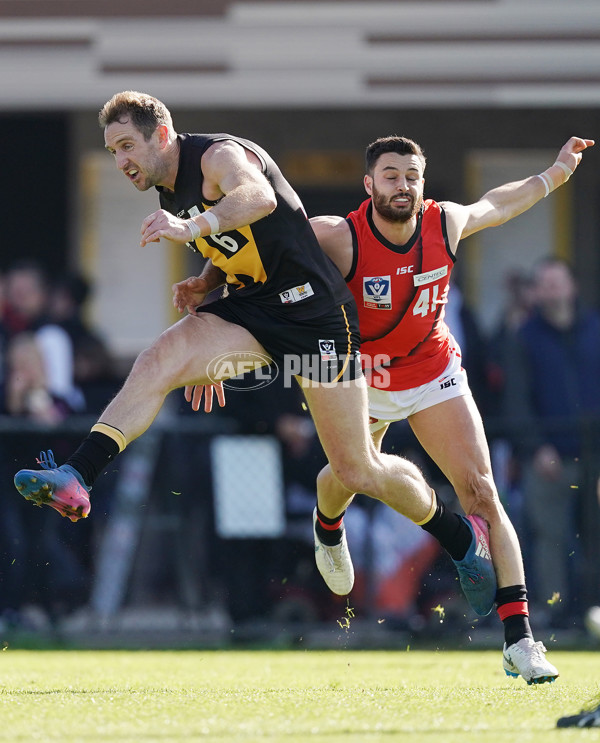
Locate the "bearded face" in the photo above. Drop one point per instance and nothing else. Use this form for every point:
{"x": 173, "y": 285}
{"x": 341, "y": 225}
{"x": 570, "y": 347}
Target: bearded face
{"x": 400, "y": 207}
{"x": 396, "y": 187}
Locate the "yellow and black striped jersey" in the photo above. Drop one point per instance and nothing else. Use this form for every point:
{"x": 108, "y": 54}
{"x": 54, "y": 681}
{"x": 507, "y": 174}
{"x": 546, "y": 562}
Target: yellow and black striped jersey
{"x": 275, "y": 261}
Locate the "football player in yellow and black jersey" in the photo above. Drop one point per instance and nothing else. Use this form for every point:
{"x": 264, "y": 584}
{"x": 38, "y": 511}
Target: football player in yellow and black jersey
{"x": 296, "y": 295}
{"x": 285, "y": 303}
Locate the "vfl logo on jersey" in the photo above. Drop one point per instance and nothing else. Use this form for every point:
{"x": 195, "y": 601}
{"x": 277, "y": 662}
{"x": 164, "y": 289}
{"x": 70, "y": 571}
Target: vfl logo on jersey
{"x": 327, "y": 350}
{"x": 427, "y": 278}
{"x": 296, "y": 294}
{"x": 377, "y": 292}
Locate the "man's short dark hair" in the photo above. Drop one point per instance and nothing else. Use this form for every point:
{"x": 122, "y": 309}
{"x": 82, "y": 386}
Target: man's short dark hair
{"x": 399, "y": 145}
{"x": 144, "y": 111}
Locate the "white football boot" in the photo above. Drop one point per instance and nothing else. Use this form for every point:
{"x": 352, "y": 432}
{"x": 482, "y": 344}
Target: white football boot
{"x": 334, "y": 563}
{"x": 526, "y": 658}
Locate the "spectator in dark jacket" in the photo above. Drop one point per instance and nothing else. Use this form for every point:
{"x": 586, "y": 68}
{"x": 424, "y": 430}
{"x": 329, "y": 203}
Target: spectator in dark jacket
{"x": 551, "y": 389}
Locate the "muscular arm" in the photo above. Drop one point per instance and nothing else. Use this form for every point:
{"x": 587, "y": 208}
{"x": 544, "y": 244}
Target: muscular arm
{"x": 233, "y": 176}
{"x": 505, "y": 202}
{"x": 335, "y": 239}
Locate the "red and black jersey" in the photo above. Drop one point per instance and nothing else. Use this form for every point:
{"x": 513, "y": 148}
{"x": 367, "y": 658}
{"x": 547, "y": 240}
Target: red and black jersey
{"x": 400, "y": 292}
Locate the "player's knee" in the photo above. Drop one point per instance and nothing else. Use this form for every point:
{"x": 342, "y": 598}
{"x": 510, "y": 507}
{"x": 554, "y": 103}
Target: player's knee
{"x": 326, "y": 479}
{"x": 147, "y": 363}
{"x": 352, "y": 475}
{"x": 361, "y": 475}
{"x": 156, "y": 365}
{"x": 331, "y": 486}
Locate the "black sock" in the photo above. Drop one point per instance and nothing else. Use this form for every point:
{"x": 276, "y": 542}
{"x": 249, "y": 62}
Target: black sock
{"x": 93, "y": 455}
{"x": 331, "y": 536}
{"x": 450, "y": 530}
{"x": 511, "y": 604}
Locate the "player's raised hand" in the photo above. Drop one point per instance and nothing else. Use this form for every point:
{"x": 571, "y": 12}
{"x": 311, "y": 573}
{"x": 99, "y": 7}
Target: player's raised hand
{"x": 193, "y": 394}
{"x": 571, "y": 153}
{"x": 189, "y": 293}
{"x": 164, "y": 224}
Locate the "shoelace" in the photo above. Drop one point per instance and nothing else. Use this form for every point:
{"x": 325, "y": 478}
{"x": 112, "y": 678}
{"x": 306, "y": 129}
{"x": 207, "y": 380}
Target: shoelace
{"x": 46, "y": 460}
{"x": 333, "y": 563}
{"x": 473, "y": 575}
{"x": 537, "y": 652}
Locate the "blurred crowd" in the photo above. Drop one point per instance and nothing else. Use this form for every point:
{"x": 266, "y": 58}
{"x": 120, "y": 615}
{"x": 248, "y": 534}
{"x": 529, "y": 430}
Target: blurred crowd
{"x": 535, "y": 379}
{"x": 53, "y": 367}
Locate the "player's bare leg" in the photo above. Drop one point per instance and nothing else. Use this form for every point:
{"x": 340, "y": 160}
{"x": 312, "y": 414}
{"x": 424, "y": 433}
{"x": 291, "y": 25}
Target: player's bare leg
{"x": 331, "y": 547}
{"x": 452, "y": 434}
{"x": 356, "y": 465}
{"x": 341, "y": 419}
{"x": 332, "y": 497}
{"x": 180, "y": 356}
{"x": 466, "y": 540}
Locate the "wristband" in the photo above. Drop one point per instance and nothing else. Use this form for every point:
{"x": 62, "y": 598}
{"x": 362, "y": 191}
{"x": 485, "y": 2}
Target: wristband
{"x": 565, "y": 168}
{"x": 213, "y": 221}
{"x": 545, "y": 178}
{"x": 194, "y": 229}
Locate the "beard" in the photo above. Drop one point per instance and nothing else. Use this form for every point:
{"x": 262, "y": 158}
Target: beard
{"x": 393, "y": 213}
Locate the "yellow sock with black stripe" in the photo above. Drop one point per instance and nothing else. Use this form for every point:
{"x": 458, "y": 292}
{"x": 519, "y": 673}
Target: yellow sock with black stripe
{"x": 96, "y": 451}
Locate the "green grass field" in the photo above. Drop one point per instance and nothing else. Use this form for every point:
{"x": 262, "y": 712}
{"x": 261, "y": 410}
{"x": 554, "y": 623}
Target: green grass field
{"x": 450, "y": 697}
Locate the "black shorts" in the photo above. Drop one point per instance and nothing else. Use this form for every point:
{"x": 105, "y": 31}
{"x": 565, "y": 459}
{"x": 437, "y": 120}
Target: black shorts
{"x": 321, "y": 349}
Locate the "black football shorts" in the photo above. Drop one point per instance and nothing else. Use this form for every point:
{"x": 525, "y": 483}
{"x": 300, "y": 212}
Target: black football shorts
{"x": 324, "y": 348}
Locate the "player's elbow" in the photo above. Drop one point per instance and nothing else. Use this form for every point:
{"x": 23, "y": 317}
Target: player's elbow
{"x": 504, "y": 212}
{"x": 268, "y": 201}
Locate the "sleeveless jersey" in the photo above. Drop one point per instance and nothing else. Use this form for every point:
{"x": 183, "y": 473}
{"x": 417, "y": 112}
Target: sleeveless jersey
{"x": 276, "y": 261}
{"x": 400, "y": 292}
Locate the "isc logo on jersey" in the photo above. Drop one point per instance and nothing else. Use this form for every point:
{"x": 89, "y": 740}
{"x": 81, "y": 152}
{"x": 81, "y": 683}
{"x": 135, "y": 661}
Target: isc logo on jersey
{"x": 377, "y": 292}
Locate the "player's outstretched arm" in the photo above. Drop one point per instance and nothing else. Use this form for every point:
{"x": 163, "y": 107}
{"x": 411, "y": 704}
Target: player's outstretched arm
{"x": 505, "y": 202}
{"x": 232, "y": 176}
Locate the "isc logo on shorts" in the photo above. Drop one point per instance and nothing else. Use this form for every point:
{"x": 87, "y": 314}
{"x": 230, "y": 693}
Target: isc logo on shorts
{"x": 377, "y": 292}
{"x": 327, "y": 350}
{"x": 446, "y": 383}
